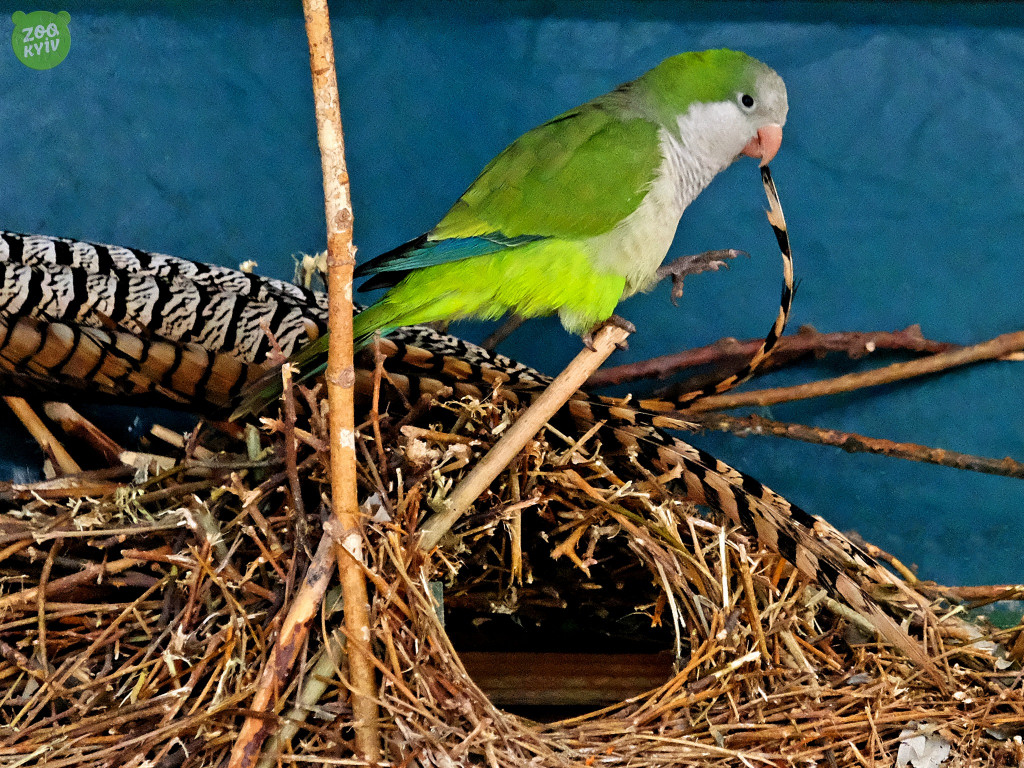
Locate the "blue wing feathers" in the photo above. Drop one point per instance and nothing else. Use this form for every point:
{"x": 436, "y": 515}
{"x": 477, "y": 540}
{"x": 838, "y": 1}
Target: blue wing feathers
{"x": 389, "y": 268}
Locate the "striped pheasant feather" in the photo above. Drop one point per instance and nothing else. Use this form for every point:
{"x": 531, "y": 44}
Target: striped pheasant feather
{"x": 124, "y": 323}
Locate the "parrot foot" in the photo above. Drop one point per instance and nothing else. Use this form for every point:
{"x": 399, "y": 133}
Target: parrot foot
{"x": 618, "y": 322}
{"x": 694, "y": 265}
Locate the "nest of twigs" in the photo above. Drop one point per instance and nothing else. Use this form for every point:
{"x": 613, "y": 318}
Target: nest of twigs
{"x": 137, "y": 614}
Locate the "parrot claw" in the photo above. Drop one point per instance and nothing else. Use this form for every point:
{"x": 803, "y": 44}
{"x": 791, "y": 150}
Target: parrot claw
{"x": 618, "y": 322}
{"x": 694, "y": 265}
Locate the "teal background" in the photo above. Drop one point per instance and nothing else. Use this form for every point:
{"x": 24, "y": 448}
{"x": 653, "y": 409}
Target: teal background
{"x": 188, "y": 129}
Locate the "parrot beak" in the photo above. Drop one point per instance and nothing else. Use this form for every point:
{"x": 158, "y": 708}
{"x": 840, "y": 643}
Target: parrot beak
{"x": 765, "y": 144}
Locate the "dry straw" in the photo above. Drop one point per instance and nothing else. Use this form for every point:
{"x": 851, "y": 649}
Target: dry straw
{"x": 134, "y": 623}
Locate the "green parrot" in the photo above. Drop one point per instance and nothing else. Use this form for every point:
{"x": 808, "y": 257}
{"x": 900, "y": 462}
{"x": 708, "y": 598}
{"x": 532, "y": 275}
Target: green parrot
{"x": 579, "y": 213}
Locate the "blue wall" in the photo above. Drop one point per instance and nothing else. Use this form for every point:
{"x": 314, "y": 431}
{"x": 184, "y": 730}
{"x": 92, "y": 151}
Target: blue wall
{"x": 190, "y": 132}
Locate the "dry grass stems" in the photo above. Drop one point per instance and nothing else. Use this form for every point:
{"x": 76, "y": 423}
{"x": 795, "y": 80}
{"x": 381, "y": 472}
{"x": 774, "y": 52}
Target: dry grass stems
{"x": 134, "y": 621}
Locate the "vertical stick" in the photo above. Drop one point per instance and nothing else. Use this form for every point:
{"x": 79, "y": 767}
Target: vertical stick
{"x": 341, "y": 378}
{"x": 342, "y": 541}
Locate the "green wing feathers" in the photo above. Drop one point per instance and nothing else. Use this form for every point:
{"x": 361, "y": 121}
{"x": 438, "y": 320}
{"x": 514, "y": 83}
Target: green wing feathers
{"x": 515, "y": 240}
{"x": 535, "y": 279}
{"x": 573, "y": 177}
{"x": 389, "y": 268}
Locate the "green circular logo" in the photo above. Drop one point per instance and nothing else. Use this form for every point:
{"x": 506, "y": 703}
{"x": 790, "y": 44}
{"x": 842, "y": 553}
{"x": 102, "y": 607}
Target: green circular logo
{"x": 41, "y": 39}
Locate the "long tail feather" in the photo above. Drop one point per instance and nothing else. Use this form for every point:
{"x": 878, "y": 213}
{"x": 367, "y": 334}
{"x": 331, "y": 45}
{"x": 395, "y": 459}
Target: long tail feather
{"x": 77, "y": 317}
{"x": 778, "y": 223}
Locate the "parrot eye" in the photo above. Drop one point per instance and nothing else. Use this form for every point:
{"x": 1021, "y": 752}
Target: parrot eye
{"x": 747, "y": 100}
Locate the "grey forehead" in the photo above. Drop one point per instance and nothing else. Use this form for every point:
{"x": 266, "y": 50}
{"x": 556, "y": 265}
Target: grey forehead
{"x": 772, "y": 90}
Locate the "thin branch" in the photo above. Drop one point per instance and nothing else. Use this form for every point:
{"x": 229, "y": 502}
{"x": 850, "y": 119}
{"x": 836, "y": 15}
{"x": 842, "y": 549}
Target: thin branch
{"x": 73, "y": 423}
{"x": 806, "y": 341}
{"x": 313, "y": 687}
{"x": 989, "y": 593}
{"x": 291, "y": 456}
{"x": 509, "y": 325}
{"x": 51, "y": 447}
{"x": 290, "y": 641}
{"x": 57, "y": 587}
{"x": 343, "y": 532}
{"x": 341, "y": 378}
{"x": 854, "y": 443}
{"x": 519, "y": 434}
{"x": 987, "y": 350}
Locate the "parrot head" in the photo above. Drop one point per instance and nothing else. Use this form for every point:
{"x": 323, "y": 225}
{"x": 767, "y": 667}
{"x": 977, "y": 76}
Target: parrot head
{"x": 721, "y": 103}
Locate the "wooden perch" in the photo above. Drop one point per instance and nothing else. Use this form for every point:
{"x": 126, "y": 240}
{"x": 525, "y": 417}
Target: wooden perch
{"x": 731, "y": 352}
{"x": 526, "y": 426}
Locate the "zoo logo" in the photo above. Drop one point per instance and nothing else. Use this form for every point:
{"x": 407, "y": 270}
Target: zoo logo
{"x": 41, "y": 40}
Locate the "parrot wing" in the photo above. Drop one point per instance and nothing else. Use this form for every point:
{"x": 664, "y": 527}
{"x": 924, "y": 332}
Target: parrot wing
{"x": 389, "y": 268}
{"x": 574, "y": 177}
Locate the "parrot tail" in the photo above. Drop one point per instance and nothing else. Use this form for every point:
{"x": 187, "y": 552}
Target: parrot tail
{"x": 377, "y": 317}
{"x": 311, "y": 360}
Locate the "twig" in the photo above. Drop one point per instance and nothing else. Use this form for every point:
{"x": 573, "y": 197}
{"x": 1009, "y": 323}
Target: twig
{"x": 51, "y": 447}
{"x": 850, "y": 442}
{"x": 291, "y": 460}
{"x": 806, "y": 341}
{"x": 313, "y": 688}
{"x": 44, "y": 577}
{"x": 290, "y": 641}
{"x": 343, "y": 531}
{"x": 751, "y": 600}
{"x": 378, "y": 370}
{"x": 341, "y": 379}
{"x": 987, "y": 593}
{"x": 987, "y": 350}
{"x": 74, "y": 423}
{"x": 905, "y": 573}
{"x": 519, "y": 434}
{"x": 444, "y": 438}
{"x": 508, "y": 326}
{"x": 90, "y": 573}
